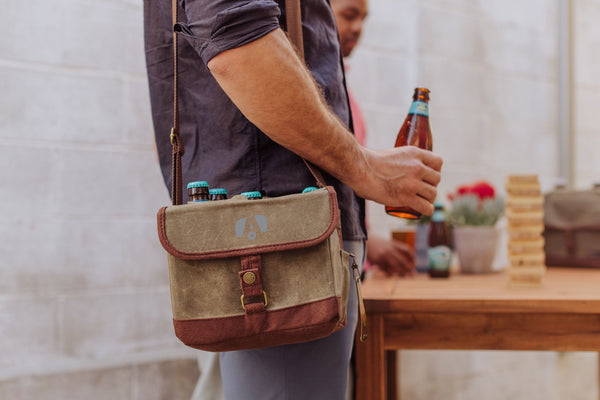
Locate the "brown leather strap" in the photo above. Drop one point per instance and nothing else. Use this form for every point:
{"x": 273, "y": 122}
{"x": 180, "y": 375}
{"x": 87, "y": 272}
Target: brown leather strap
{"x": 254, "y": 298}
{"x": 294, "y": 27}
{"x": 178, "y": 150}
{"x": 362, "y": 313}
{"x": 293, "y": 18}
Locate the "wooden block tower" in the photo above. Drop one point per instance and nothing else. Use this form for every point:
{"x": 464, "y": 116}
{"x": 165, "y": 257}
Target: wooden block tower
{"x": 525, "y": 215}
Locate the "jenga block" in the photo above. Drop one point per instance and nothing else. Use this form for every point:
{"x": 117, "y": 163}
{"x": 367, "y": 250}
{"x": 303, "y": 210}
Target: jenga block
{"x": 526, "y": 276}
{"x": 517, "y": 247}
{"x": 525, "y": 203}
{"x": 524, "y": 218}
{"x": 526, "y": 232}
{"x": 523, "y": 189}
{"x": 521, "y": 179}
{"x": 531, "y": 259}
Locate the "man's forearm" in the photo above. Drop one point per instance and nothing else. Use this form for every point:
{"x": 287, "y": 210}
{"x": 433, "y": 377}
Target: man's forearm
{"x": 275, "y": 91}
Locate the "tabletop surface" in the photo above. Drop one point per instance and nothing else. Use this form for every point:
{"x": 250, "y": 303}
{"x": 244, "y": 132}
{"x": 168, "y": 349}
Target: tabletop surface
{"x": 563, "y": 290}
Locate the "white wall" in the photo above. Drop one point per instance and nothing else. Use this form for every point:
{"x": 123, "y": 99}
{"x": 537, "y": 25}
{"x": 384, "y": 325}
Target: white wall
{"x": 84, "y": 302}
{"x": 492, "y": 67}
{"x": 587, "y": 95}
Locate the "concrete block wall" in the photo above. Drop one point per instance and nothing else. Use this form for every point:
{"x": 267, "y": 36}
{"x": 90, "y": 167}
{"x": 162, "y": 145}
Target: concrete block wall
{"x": 84, "y": 300}
{"x": 586, "y": 59}
{"x": 492, "y": 67}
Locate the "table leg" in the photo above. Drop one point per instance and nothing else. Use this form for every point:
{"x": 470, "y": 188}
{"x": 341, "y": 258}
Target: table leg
{"x": 370, "y": 363}
{"x": 391, "y": 359}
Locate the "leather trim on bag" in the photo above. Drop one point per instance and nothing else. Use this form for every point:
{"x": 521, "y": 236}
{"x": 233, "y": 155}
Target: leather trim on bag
{"x": 273, "y": 328}
{"x": 171, "y": 249}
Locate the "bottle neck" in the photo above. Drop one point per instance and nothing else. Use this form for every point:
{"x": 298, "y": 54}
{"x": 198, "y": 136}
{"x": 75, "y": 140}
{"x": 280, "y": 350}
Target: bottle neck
{"x": 438, "y": 216}
{"x": 419, "y": 107}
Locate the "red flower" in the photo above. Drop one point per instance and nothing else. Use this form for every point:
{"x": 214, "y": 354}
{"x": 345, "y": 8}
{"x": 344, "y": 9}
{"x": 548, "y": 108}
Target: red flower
{"x": 483, "y": 189}
{"x": 464, "y": 189}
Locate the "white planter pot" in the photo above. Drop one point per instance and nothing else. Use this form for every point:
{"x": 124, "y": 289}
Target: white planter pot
{"x": 476, "y": 247}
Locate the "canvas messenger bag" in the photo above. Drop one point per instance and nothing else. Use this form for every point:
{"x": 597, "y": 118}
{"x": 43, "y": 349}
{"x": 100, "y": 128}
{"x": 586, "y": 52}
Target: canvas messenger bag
{"x": 572, "y": 228}
{"x": 255, "y": 273}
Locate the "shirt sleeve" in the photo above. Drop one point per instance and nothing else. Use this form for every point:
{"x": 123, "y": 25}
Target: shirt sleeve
{"x": 214, "y": 26}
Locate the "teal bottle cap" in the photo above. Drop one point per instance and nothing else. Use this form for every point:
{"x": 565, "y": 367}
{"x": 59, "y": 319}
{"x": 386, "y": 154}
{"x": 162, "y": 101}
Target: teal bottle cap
{"x": 309, "y": 189}
{"x": 197, "y": 184}
{"x": 217, "y": 191}
{"x": 252, "y": 195}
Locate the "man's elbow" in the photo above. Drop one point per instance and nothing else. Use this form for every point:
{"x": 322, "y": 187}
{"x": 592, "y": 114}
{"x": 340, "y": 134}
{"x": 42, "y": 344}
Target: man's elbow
{"x": 222, "y": 63}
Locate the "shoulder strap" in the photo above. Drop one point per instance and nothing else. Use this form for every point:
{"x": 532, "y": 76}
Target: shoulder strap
{"x": 294, "y": 28}
{"x": 178, "y": 150}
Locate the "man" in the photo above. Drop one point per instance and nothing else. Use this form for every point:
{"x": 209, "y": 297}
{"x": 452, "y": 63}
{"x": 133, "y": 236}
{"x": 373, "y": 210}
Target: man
{"x": 250, "y": 109}
{"x": 391, "y": 257}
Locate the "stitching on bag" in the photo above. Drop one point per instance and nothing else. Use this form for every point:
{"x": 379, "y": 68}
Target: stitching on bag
{"x": 270, "y": 333}
{"x": 269, "y": 248}
{"x": 338, "y": 300}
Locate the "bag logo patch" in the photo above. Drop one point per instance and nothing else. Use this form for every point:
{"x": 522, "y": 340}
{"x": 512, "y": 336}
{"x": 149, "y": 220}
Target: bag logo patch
{"x": 240, "y": 226}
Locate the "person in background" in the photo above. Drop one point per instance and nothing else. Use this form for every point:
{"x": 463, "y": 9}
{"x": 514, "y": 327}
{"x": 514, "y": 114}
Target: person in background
{"x": 251, "y": 109}
{"x": 388, "y": 256}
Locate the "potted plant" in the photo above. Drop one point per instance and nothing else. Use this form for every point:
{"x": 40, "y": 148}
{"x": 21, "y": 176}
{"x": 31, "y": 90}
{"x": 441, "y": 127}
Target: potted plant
{"x": 474, "y": 212}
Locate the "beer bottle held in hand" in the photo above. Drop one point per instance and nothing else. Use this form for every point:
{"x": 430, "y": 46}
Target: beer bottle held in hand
{"x": 415, "y": 131}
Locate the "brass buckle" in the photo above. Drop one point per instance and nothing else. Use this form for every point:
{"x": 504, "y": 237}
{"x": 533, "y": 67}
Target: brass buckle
{"x": 172, "y": 135}
{"x": 364, "y": 332}
{"x": 244, "y": 304}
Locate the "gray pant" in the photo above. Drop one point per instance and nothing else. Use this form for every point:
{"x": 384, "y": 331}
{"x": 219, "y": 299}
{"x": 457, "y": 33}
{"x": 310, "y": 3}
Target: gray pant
{"x": 316, "y": 370}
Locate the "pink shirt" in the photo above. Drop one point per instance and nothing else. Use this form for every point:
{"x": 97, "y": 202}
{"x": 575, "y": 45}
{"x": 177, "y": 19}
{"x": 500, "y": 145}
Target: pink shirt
{"x": 360, "y": 129}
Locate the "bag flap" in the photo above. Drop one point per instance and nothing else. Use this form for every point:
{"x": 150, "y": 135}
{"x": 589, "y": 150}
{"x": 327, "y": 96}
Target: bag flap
{"x": 567, "y": 209}
{"x": 238, "y": 226}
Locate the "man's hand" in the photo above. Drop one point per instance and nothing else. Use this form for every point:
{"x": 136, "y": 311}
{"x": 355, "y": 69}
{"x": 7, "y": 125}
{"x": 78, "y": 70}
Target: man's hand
{"x": 403, "y": 176}
{"x": 391, "y": 256}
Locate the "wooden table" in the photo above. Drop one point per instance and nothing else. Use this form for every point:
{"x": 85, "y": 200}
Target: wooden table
{"x": 474, "y": 312}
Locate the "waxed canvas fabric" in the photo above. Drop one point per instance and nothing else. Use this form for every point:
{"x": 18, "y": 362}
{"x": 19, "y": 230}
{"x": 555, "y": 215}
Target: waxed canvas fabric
{"x": 572, "y": 228}
{"x": 292, "y": 247}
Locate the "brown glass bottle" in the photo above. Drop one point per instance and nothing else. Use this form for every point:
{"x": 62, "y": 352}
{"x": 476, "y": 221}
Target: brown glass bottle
{"x": 198, "y": 192}
{"x": 218, "y": 194}
{"x": 415, "y": 131}
{"x": 439, "y": 253}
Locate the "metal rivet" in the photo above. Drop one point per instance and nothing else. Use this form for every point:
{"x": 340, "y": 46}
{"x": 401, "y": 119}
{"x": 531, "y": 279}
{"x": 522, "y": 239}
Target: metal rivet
{"x": 249, "y": 278}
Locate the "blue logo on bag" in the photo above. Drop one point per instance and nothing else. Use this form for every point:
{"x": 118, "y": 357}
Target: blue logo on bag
{"x": 240, "y": 226}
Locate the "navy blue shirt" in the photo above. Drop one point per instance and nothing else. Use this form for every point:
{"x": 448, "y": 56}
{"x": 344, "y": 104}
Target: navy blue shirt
{"x": 221, "y": 145}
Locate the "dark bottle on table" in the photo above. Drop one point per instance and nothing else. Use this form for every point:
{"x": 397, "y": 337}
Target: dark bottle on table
{"x": 218, "y": 194}
{"x": 415, "y": 131}
{"x": 198, "y": 192}
{"x": 439, "y": 254}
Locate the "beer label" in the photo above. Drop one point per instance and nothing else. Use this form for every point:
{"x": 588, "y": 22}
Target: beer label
{"x": 419, "y": 107}
{"x": 439, "y": 258}
{"x": 438, "y": 216}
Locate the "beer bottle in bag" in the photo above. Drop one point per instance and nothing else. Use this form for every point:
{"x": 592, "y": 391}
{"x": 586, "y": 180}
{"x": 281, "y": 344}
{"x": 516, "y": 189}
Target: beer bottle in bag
{"x": 218, "y": 194}
{"x": 415, "y": 131}
{"x": 198, "y": 191}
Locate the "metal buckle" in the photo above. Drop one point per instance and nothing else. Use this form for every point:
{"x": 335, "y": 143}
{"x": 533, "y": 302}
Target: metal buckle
{"x": 172, "y": 135}
{"x": 244, "y": 304}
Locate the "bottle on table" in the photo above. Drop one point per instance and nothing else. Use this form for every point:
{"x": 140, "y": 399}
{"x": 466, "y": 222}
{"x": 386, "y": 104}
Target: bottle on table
{"x": 439, "y": 254}
{"x": 415, "y": 131}
{"x": 218, "y": 194}
{"x": 198, "y": 191}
